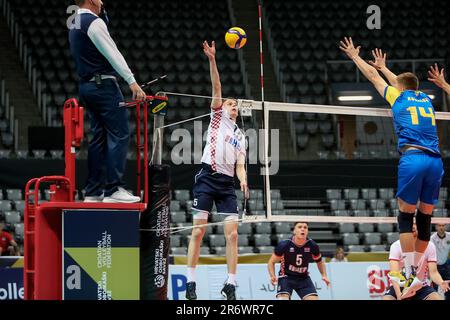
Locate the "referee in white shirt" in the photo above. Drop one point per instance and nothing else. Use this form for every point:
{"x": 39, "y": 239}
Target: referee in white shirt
{"x": 99, "y": 65}
{"x": 441, "y": 240}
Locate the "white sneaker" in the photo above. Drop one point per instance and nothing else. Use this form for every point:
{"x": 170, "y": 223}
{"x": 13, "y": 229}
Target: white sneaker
{"x": 121, "y": 196}
{"x": 93, "y": 198}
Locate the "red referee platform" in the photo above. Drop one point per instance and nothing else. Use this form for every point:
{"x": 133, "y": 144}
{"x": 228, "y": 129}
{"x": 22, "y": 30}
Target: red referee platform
{"x": 43, "y": 247}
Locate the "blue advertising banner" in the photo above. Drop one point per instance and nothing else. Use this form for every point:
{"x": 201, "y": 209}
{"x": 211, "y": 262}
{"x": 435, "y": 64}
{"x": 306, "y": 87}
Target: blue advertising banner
{"x": 11, "y": 278}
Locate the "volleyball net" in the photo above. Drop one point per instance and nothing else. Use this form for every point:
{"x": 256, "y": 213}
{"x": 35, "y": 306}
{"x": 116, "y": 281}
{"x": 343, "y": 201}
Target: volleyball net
{"x": 313, "y": 163}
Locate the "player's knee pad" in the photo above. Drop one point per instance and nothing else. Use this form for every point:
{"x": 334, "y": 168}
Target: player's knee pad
{"x": 405, "y": 222}
{"x": 423, "y": 222}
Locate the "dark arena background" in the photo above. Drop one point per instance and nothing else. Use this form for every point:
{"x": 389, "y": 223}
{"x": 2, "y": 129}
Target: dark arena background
{"x": 331, "y": 145}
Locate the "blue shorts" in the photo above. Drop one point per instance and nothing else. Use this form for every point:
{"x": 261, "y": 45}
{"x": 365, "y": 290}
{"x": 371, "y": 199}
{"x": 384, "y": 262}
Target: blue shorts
{"x": 213, "y": 187}
{"x": 421, "y": 294}
{"x": 419, "y": 177}
{"x": 303, "y": 286}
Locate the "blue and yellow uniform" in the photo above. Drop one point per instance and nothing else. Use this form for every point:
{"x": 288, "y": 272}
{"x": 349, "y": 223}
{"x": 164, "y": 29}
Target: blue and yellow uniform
{"x": 295, "y": 260}
{"x": 420, "y": 171}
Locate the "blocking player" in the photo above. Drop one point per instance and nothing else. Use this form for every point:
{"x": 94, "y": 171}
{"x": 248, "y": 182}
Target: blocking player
{"x": 295, "y": 255}
{"x": 438, "y": 78}
{"x": 224, "y": 154}
{"x": 420, "y": 168}
{"x": 428, "y": 269}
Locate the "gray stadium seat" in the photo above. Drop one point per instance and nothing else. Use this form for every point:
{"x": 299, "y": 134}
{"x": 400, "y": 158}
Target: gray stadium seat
{"x": 377, "y": 204}
{"x": 368, "y": 194}
{"x": 175, "y": 241}
{"x": 14, "y": 194}
{"x": 351, "y": 194}
{"x": 361, "y": 213}
{"x": 220, "y": 251}
{"x": 265, "y": 249}
{"x": 385, "y": 227}
{"x": 175, "y": 205}
{"x": 282, "y": 227}
{"x": 262, "y": 240}
{"x": 365, "y": 227}
{"x": 443, "y": 193}
{"x": 277, "y": 204}
{"x": 19, "y": 205}
{"x": 204, "y": 251}
{"x": 440, "y": 213}
{"x": 337, "y": 204}
{"x": 334, "y": 194}
{"x": 351, "y": 238}
{"x": 5, "y": 205}
{"x": 178, "y": 216}
{"x": 19, "y": 230}
{"x": 283, "y": 236}
{"x": 245, "y": 228}
{"x": 182, "y": 196}
{"x": 263, "y": 227}
{"x": 216, "y": 240}
{"x": 393, "y": 204}
{"x": 440, "y": 204}
{"x": 358, "y": 204}
{"x": 386, "y": 193}
{"x": 346, "y": 227}
{"x": 275, "y": 194}
{"x": 256, "y": 204}
{"x": 341, "y": 213}
{"x": 377, "y": 248}
{"x": 372, "y": 238}
{"x": 256, "y": 194}
{"x": 392, "y": 237}
{"x": 356, "y": 248}
{"x": 12, "y": 217}
{"x": 243, "y": 240}
{"x": 182, "y": 251}
{"x": 381, "y": 213}
{"x": 245, "y": 250}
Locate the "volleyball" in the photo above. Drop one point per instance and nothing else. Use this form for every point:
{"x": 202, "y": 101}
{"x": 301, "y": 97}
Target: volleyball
{"x": 236, "y": 38}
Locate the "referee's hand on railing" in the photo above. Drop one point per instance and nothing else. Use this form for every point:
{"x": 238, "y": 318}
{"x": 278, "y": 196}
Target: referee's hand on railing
{"x": 138, "y": 93}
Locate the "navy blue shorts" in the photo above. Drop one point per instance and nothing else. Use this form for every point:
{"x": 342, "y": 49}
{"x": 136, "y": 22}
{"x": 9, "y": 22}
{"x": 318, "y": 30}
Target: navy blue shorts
{"x": 421, "y": 294}
{"x": 419, "y": 177}
{"x": 304, "y": 287}
{"x": 213, "y": 187}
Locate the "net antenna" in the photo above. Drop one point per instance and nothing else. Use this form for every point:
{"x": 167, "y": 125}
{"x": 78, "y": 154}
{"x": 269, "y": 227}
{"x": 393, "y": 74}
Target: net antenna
{"x": 265, "y": 119}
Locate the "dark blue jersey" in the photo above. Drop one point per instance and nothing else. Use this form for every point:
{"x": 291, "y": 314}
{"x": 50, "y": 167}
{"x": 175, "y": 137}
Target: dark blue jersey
{"x": 295, "y": 259}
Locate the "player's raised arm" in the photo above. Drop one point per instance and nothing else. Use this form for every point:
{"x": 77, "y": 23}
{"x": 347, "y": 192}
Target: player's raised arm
{"x": 367, "y": 70}
{"x": 210, "y": 52}
{"x": 271, "y": 267}
{"x": 379, "y": 63}
{"x": 438, "y": 78}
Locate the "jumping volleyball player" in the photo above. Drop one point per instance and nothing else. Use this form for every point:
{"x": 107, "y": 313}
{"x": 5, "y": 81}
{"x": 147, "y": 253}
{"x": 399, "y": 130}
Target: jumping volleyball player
{"x": 224, "y": 154}
{"x": 420, "y": 168}
{"x": 295, "y": 255}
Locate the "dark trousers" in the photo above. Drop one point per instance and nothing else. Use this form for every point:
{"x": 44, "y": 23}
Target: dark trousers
{"x": 109, "y": 144}
{"x": 444, "y": 271}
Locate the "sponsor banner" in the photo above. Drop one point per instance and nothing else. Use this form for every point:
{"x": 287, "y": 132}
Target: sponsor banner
{"x": 100, "y": 255}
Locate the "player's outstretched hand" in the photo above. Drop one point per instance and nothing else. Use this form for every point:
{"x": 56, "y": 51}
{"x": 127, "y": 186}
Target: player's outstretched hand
{"x": 210, "y": 51}
{"x": 436, "y": 76}
{"x": 244, "y": 189}
{"x": 138, "y": 93}
{"x": 379, "y": 59}
{"x": 348, "y": 48}
{"x": 445, "y": 285}
{"x": 274, "y": 280}
{"x": 327, "y": 282}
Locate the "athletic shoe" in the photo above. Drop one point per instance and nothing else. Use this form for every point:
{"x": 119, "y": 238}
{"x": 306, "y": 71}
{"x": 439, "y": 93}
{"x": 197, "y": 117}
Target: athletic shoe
{"x": 93, "y": 198}
{"x": 411, "y": 287}
{"x": 229, "y": 291}
{"x": 190, "y": 291}
{"x": 121, "y": 196}
{"x": 398, "y": 277}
